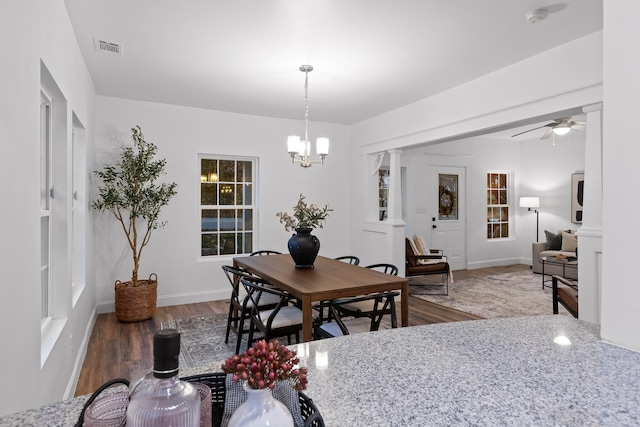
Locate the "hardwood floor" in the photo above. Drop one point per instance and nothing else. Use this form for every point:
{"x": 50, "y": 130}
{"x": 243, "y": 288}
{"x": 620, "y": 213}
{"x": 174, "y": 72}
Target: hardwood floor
{"x": 121, "y": 349}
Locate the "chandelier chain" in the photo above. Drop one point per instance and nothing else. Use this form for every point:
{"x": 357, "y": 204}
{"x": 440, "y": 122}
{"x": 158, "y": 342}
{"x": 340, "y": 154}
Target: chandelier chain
{"x": 306, "y": 106}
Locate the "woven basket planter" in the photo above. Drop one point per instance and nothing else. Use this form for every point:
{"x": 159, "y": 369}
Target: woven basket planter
{"x": 136, "y": 303}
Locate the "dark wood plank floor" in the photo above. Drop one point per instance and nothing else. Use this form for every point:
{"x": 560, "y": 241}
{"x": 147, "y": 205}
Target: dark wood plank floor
{"x": 121, "y": 349}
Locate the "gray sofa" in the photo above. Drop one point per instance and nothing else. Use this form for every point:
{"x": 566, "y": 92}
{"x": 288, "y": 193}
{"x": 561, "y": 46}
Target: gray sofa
{"x": 539, "y": 250}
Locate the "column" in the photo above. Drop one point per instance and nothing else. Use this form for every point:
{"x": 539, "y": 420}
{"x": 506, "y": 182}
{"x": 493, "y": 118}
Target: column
{"x": 590, "y": 233}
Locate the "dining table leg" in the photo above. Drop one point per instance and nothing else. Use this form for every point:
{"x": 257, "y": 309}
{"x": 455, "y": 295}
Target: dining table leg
{"x": 404, "y": 304}
{"x": 307, "y": 319}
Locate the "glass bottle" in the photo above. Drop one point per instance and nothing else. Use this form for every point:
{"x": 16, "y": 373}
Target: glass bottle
{"x": 164, "y": 400}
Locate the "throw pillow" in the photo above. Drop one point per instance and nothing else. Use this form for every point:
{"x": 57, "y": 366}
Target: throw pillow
{"x": 554, "y": 241}
{"x": 569, "y": 242}
{"x": 421, "y": 245}
{"x": 414, "y": 248}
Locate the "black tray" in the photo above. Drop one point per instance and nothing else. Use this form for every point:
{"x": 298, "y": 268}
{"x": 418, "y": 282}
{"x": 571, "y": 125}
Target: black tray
{"x": 216, "y": 381}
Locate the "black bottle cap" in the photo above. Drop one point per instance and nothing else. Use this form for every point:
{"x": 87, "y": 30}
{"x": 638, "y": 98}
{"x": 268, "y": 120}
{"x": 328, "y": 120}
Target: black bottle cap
{"x": 166, "y": 349}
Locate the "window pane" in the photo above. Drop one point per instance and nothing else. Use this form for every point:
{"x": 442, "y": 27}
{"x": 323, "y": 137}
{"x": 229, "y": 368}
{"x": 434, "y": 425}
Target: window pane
{"x": 239, "y": 194}
{"x": 209, "y": 220}
{"x": 244, "y": 171}
{"x": 248, "y": 243}
{"x": 227, "y": 219}
{"x": 248, "y": 194}
{"x": 208, "y": 193}
{"x": 226, "y": 194}
{"x": 208, "y": 170}
{"x": 227, "y": 170}
{"x": 504, "y": 214}
{"x": 503, "y": 197}
{"x": 227, "y": 243}
{"x": 247, "y": 215}
{"x": 209, "y": 244}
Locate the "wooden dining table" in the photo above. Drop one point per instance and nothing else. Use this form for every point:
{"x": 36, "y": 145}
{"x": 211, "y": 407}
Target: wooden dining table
{"x": 328, "y": 280}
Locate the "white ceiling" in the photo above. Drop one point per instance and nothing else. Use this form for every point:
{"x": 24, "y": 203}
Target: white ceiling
{"x": 370, "y": 56}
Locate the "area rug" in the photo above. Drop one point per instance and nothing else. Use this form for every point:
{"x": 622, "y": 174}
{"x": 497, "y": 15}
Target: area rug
{"x": 500, "y": 295}
{"x": 202, "y": 339}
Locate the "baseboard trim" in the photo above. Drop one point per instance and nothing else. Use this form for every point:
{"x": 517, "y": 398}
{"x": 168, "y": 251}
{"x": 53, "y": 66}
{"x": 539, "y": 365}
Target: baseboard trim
{"x": 496, "y": 263}
{"x": 174, "y": 299}
{"x": 70, "y": 391}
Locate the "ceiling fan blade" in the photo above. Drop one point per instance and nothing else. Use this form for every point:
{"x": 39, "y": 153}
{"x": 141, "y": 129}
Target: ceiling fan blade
{"x": 539, "y": 127}
{"x": 547, "y": 134}
{"x": 578, "y": 126}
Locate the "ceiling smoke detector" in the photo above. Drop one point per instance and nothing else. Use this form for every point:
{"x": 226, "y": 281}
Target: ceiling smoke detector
{"x": 536, "y": 15}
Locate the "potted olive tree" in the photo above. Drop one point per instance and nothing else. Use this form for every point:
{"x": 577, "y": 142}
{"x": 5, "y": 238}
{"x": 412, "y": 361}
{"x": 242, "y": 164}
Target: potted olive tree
{"x": 130, "y": 191}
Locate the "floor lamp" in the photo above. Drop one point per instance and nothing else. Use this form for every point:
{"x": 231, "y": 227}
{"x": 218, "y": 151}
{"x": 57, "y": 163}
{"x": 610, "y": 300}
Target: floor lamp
{"x": 531, "y": 202}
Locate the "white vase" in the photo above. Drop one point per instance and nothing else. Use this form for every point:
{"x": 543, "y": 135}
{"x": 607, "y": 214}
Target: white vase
{"x": 261, "y": 409}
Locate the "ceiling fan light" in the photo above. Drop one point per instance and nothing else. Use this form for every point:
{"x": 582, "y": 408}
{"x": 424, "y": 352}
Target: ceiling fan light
{"x": 561, "y": 130}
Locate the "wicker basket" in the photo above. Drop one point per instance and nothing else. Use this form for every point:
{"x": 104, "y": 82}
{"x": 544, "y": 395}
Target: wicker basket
{"x": 216, "y": 381}
{"x": 136, "y": 303}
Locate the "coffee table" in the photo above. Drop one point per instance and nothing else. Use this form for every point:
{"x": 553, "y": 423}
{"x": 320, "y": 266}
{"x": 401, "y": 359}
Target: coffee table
{"x": 570, "y": 262}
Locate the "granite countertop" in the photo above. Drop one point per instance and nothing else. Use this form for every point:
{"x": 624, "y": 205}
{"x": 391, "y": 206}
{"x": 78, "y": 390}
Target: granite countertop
{"x": 487, "y": 372}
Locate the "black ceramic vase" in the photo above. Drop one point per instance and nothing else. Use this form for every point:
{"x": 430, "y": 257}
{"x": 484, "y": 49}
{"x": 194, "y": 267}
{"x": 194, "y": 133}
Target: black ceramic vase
{"x": 304, "y": 247}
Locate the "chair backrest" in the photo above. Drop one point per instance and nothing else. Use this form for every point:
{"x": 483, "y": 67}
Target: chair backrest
{"x": 384, "y": 268}
{"x": 256, "y": 288}
{"x": 383, "y": 304}
{"x": 351, "y": 259}
{"x": 234, "y": 275}
{"x": 265, "y": 252}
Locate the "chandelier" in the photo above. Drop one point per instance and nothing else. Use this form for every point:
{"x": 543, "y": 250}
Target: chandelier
{"x": 300, "y": 150}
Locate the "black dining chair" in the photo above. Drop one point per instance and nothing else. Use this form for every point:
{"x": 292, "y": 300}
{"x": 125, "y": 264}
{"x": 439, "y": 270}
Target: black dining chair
{"x": 240, "y": 304}
{"x": 366, "y": 307}
{"x": 285, "y": 319}
{"x": 351, "y": 259}
{"x": 338, "y": 323}
{"x": 265, "y": 252}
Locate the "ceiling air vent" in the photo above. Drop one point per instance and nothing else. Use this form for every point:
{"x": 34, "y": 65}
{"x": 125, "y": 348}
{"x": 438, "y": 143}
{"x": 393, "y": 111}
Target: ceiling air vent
{"x": 108, "y": 47}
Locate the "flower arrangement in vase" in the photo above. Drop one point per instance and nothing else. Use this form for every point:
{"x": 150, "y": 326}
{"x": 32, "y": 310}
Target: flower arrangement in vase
{"x": 304, "y": 246}
{"x": 261, "y": 367}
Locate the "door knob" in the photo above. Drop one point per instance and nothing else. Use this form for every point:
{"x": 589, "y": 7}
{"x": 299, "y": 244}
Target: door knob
{"x": 434, "y": 226}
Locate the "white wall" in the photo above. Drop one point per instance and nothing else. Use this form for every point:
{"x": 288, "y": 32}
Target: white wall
{"x": 621, "y": 200}
{"x": 537, "y": 168}
{"x": 43, "y": 31}
{"x": 181, "y": 133}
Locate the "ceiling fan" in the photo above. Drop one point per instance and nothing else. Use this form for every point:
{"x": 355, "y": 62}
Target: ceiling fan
{"x": 557, "y": 126}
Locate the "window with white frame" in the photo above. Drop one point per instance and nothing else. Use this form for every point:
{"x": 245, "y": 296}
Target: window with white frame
{"x": 78, "y": 208}
{"x": 227, "y": 205}
{"x": 45, "y": 206}
{"x": 498, "y": 204}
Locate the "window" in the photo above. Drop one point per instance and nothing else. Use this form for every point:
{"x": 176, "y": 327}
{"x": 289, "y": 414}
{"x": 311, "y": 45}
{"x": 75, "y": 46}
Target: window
{"x": 383, "y": 192}
{"x": 78, "y": 208}
{"x": 45, "y": 206}
{"x": 227, "y": 205}
{"x": 497, "y": 205}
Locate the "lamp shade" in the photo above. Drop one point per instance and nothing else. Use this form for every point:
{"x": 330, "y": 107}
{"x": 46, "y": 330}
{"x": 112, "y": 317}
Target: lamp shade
{"x": 322, "y": 146}
{"x": 529, "y": 202}
{"x": 293, "y": 144}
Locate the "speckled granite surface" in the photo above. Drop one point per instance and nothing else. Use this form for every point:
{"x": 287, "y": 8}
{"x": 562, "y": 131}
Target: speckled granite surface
{"x": 501, "y": 372}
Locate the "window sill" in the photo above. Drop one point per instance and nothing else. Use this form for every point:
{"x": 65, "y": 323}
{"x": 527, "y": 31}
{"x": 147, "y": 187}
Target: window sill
{"x": 76, "y": 292}
{"x": 50, "y": 333}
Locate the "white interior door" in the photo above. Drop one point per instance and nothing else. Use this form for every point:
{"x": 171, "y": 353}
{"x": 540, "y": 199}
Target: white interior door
{"x": 448, "y": 219}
